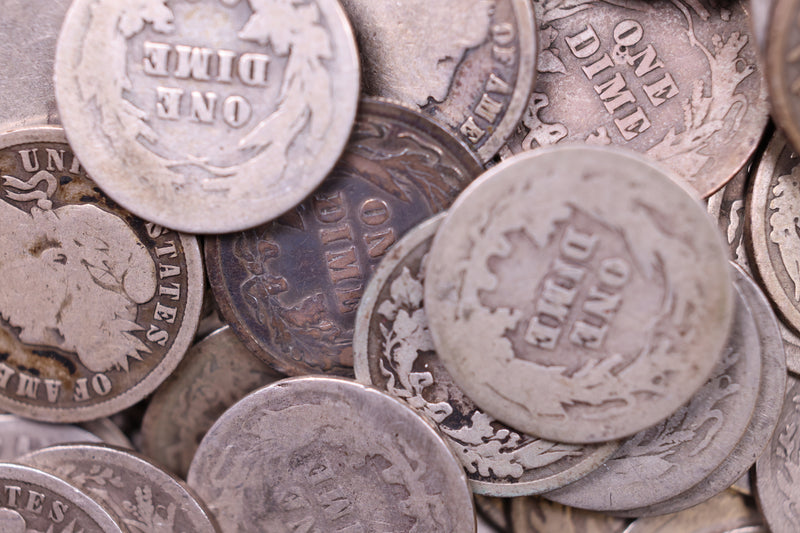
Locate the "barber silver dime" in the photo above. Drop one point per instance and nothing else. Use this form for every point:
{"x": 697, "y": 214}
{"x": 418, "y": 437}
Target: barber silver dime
{"x": 394, "y": 351}
{"x": 207, "y": 116}
{"x": 327, "y": 454}
{"x": 136, "y": 493}
{"x": 678, "y": 80}
{"x": 32, "y": 501}
{"x": 578, "y": 293}
{"x": 97, "y": 306}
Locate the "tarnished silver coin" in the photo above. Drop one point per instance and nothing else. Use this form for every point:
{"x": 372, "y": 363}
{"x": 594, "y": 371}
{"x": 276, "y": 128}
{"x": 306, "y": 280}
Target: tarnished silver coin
{"x": 216, "y": 373}
{"x": 27, "y": 50}
{"x": 136, "y": 493}
{"x": 765, "y": 415}
{"x": 663, "y": 461}
{"x": 783, "y": 66}
{"x": 207, "y": 116}
{"x": 578, "y": 293}
{"x": 728, "y": 512}
{"x": 537, "y": 515}
{"x": 778, "y": 469}
{"x": 760, "y": 12}
{"x": 678, "y": 80}
{"x": 33, "y": 501}
{"x": 494, "y": 511}
{"x": 394, "y": 351}
{"x": 468, "y": 64}
{"x": 19, "y": 436}
{"x": 329, "y": 454}
{"x": 97, "y": 306}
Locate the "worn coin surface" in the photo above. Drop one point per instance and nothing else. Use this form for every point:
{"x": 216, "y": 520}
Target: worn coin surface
{"x": 783, "y": 66}
{"x": 663, "y": 461}
{"x": 536, "y": 515}
{"x": 725, "y": 513}
{"x": 216, "y": 373}
{"x": 290, "y": 288}
{"x": 33, "y": 501}
{"x": 327, "y": 454}
{"x": 468, "y": 64}
{"x": 678, "y": 80}
{"x": 760, "y": 12}
{"x": 394, "y": 351}
{"x": 207, "y": 116}
{"x": 762, "y": 425}
{"x": 19, "y": 436}
{"x": 545, "y": 266}
{"x": 136, "y": 493}
{"x": 97, "y": 306}
{"x": 778, "y": 469}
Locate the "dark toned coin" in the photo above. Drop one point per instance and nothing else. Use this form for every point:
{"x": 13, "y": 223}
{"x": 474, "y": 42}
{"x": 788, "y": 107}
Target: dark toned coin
{"x": 291, "y": 288}
{"x": 536, "y": 515}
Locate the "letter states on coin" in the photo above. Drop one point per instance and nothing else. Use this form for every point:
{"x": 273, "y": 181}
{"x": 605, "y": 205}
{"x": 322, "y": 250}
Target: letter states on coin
{"x": 209, "y": 116}
{"x": 97, "y": 306}
{"x": 578, "y": 293}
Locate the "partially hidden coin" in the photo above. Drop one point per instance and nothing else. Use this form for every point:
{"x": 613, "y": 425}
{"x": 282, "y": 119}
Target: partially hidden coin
{"x": 744, "y": 485}
{"x": 537, "y": 515}
{"x": 207, "y": 116}
{"x": 760, "y": 13}
{"x": 19, "y": 436}
{"x": 578, "y": 293}
{"x": 662, "y": 462}
{"x": 135, "y": 492}
{"x": 753, "y": 442}
{"x": 727, "y": 512}
{"x": 290, "y": 289}
{"x": 678, "y": 80}
{"x": 783, "y": 68}
{"x": 494, "y": 511}
{"x": 97, "y": 306}
{"x": 470, "y": 65}
{"x": 394, "y": 351}
{"x": 217, "y": 372}
{"x": 34, "y": 501}
{"x": 325, "y": 454}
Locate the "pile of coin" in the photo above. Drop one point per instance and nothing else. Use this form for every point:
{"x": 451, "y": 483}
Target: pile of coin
{"x": 458, "y": 261}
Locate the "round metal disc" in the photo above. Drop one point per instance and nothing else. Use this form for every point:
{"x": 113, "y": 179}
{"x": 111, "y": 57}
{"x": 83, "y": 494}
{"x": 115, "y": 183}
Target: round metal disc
{"x": 783, "y": 68}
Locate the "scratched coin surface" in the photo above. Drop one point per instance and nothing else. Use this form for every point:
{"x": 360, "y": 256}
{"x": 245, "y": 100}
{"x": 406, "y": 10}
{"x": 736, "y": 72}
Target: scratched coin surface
{"x": 216, "y": 373}
{"x": 290, "y": 288}
{"x": 394, "y": 351}
{"x": 761, "y": 426}
{"x": 328, "y": 454}
{"x": 207, "y": 116}
{"x": 545, "y": 266}
{"x": 678, "y": 80}
{"x": 33, "y": 501}
{"x": 661, "y": 462}
{"x": 97, "y": 306}
{"x": 537, "y": 515}
{"x": 783, "y": 66}
{"x": 468, "y": 64}
{"x": 136, "y": 493}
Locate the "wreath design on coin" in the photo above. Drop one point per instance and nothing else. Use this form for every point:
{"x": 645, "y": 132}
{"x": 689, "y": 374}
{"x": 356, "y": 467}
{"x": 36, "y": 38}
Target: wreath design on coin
{"x": 784, "y": 224}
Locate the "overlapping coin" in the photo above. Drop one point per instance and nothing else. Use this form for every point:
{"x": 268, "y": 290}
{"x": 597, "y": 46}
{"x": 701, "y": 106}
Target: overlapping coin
{"x": 782, "y": 66}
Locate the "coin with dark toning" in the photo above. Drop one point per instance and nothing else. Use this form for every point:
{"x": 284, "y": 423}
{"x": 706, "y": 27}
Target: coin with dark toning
{"x": 783, "y": 66}
{"x": 727, "y": 512}
{"x": 135, "y": 492}
{"x": 578, "y": 293}
{"x": 207, "y": 116}
{"x": 661, "y": 462}
{"x": 468, "y": 64}
{"x": 217, "y": 372}
{"x": 97, "y": 306}
{"x": 394, "y": 351}
{"x": 494, "y": 511}
{"x": 33, "y": 501}
{"x": 328, "y": 454}
{"x": 536, "y": 515}
{"x": 678, "y": 80}
{"x": 290, "y": 288}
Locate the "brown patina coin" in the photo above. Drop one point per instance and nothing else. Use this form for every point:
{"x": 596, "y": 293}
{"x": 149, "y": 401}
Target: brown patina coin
{"x": 678, "y": 80}
{"x": 97, "y": 306}
{"x": 291, "y": 288}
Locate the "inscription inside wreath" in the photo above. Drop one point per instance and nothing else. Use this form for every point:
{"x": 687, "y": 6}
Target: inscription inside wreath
{"x": 612, "y": 86}
{"x": 566, "y": 283}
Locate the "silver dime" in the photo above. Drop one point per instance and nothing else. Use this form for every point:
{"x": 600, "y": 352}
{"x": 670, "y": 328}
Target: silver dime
{"x": 578, "y": 293}
{"x": 19, "y": 436}
{"x": 678, "y": 80}
{"x": 207, "y": 116}
{"x": 327, "y": 454}
{"x": 662, "y": 462}
{"x": 394, "y": 351}
{"x": 136, "y": 493}
{"x": 783, "y": 38}
{"x": 536, "y": 515}
{"x": 32, "y": 501}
